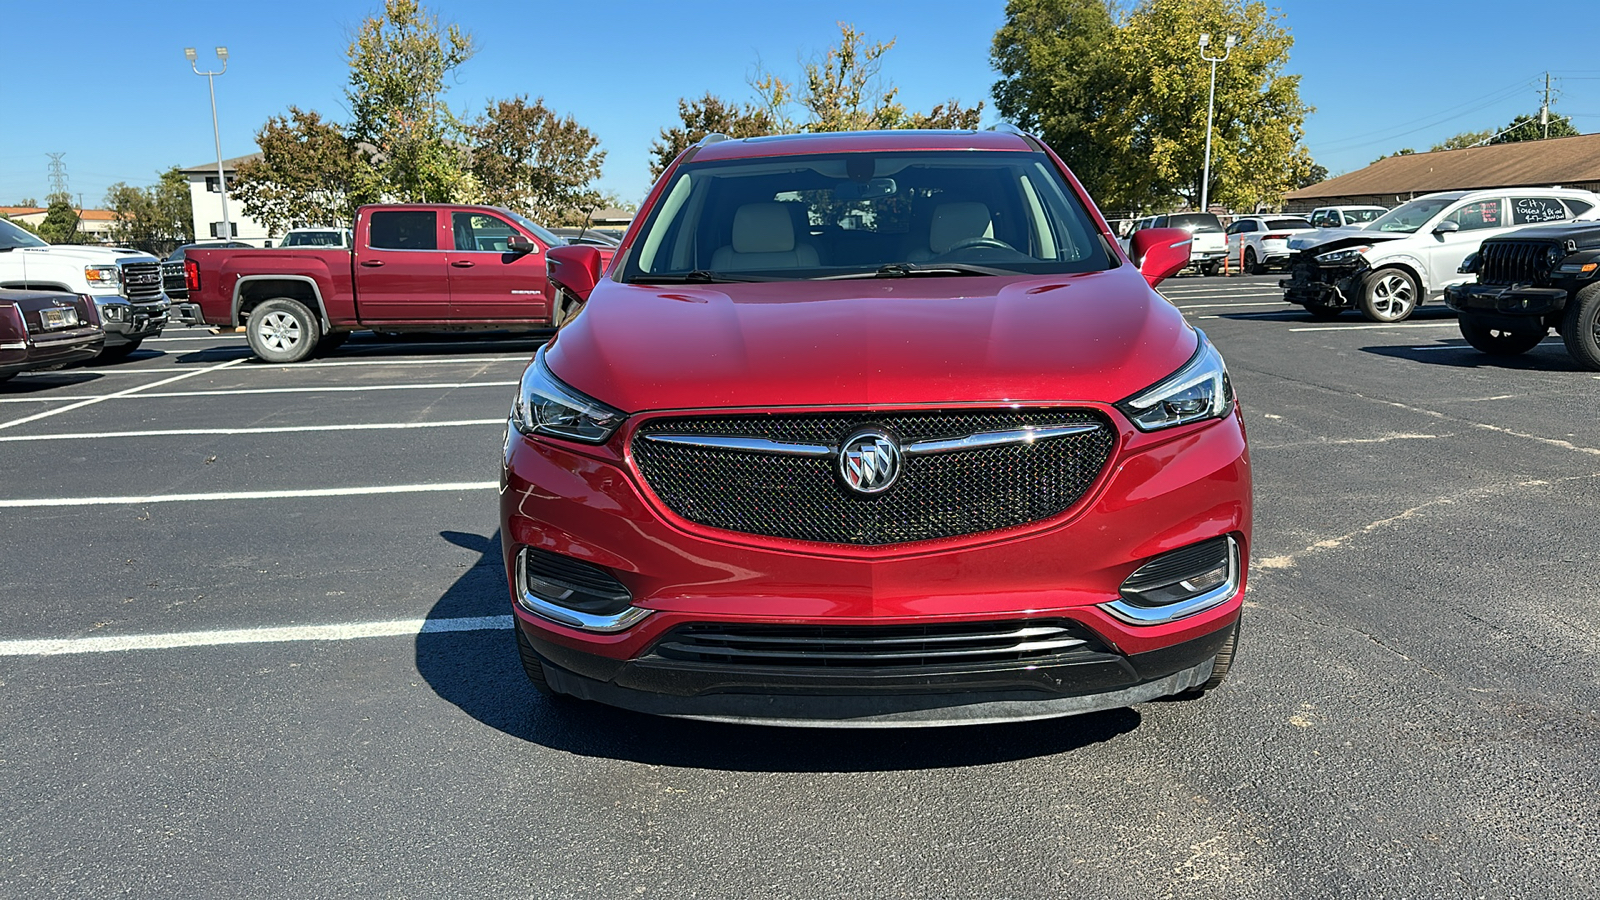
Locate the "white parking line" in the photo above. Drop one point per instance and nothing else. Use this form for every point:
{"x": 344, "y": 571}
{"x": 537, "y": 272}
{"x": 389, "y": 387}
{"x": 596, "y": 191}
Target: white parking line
{"x": 133, "y": 391}
{"x": 287, "y": 429}
{"x": 285, "y": 367}
{"x": 1449, "y": 324}
{"x": 251, "y": 495}
{"x": 1230, "y": 305}
{"x": 344, "y": 632}
{"x": 330, "y": 389}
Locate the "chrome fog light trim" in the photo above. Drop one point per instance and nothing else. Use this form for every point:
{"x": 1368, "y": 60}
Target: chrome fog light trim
{"x": 572, "y": 618}
{"x": 1172, "y": 612}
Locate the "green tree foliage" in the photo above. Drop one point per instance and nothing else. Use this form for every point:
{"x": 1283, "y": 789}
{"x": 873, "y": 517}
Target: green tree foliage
{"x": 1403, "y": 151}
{"x": 1316, "y": 174}
{"x": 399, "y": 61}
{"x": 28, "y": 202}
{"x": 1124, "y": 97}
{"x": 60, "y": 225}
{"x": 155, "y": 218}
{"x": 1462, "y": 141}
{"x": 1527, "y": 128}
{"x": 708, "y": 115}
{"x": 309, "y": 173}
{"x": 528, "y": 159}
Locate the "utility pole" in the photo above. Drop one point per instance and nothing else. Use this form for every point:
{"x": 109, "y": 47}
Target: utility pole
{"x": 1227, "y": 50}
{"x": 1544, "y": 108}
{"x": 216, "y": 132}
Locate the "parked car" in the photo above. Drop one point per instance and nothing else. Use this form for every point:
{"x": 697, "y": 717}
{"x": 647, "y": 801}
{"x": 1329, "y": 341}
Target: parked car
{"x": 172, "y": 282}
{"x": 1528, "y": 282}
{"x": 47, "y": 330}
{"x": 588, "y": 236}
{"x": 415, "y": 267}
{"x": 126, "y": 284}
{"x": 1411, "y": 253}
{"x": 1209, "y": 245}
{"x": 1260, "y": 242}
{"x": 1345, "y": 216}
{"x": 316, "y": 237}
{"x": 743, "y": 484}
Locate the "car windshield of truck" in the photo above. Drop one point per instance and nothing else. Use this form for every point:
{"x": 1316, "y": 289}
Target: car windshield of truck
{"x": 1408, "y": 217}
{"x": 1196, "y": 223}
{"x": 12, "y": 237}
{"x": 550, "y": 238}
{"x": 864, "y": 215}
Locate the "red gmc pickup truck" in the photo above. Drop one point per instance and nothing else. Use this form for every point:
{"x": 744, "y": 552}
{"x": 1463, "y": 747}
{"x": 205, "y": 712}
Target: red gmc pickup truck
{"x": 413, "y": 267}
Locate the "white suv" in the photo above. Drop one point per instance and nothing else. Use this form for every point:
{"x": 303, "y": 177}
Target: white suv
{"x": 1257, "y": 242}
{"x": 1346, "y": 216}
{"x": 1413, "y": 252}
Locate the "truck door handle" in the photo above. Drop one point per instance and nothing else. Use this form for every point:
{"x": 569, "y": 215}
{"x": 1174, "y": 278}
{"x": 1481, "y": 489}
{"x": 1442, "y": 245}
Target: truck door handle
{"x": 463, "y": 264}
{"x": 372, "y": 263}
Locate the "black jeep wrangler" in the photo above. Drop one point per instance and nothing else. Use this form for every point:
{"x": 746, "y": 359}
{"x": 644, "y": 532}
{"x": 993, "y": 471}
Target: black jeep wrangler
{"x": 1529, "y": 282}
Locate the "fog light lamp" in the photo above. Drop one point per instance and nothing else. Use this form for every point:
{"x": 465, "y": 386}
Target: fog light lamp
{"x": 1180, "y": 583}
{"x": 574, "y": 593}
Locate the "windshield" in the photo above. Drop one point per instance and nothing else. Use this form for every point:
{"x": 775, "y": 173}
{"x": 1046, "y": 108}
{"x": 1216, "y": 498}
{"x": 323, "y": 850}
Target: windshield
{"x": 550, "y": 238}
{"x": 1408, "y": 217}
{"x": 12, "y": 237}
{"x": 1363, "y": 215}
{"x": 1195, "y": 223}
{"x": 863, "y": 214}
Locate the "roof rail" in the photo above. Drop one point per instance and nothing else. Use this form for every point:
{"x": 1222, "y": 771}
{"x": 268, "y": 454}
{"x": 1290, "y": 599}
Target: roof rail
{"x": 715, "y": 137}
{"x": 1008, "y": 128}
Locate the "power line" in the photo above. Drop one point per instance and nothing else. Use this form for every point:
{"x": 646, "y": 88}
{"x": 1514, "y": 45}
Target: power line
{"x": 1381, "y": 135}
{"x": 58, "y": 173}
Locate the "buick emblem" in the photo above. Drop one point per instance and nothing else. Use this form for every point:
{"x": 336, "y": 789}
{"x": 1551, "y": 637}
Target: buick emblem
{"x": 869, "y": 461}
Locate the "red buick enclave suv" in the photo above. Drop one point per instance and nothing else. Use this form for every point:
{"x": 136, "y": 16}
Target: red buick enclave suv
{"x": 875, "y": 429}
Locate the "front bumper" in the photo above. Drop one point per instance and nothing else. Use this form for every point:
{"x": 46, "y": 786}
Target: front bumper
{"x": 1160, "y": 492}
{"x": 126, "y": 321}
{"x": 1520, "y": 301}
{"x": 1310, "y": 284}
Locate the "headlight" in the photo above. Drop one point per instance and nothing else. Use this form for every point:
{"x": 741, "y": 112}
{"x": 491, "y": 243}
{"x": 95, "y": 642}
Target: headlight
{"x": 1345, "y": 256}
{"x": 104, "y": 277}
{"x": 546, "y": 406}
{"x": 1197, "y": 391}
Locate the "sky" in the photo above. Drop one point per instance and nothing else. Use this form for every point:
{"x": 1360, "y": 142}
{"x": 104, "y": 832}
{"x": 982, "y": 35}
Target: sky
{"x": 124, "y": 104}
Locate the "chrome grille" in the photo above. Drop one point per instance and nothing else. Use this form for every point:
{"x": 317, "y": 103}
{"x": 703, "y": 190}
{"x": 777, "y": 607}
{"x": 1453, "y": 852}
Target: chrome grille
{"x": 1514, "y": 262}
{"x": 878, "y": 647}
{"x": 936, "y": 496}
{"x": 141, "y": 281}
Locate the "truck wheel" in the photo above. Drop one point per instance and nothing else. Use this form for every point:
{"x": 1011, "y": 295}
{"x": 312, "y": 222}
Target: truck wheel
{"x": 1319, "y": 311}
{"x": 1581, "y": 328}
{"x": 283, "y": 330}
{"x": 120, "y": 351}
{"x": 531, "y": 664}
{"x": 1251, "y": 267}
{"x": 1497, "y": 341}
{"x": 1390, "y": 295}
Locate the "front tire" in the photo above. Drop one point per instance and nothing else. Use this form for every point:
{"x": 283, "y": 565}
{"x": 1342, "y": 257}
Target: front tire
{"x": 282, "y": 330}
{"x": 1497, "y": 341}
{"x": 1580, "y": 330}
{"x": 1390, "y": 295}
{"x": 531, "y": 664}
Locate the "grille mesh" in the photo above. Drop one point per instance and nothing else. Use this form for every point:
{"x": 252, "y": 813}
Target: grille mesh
{"x": 877, "y": 647}
{"x": 1514, "y": 262}
{"x": 937, "y": 495}
{"x": 141, "y": 281}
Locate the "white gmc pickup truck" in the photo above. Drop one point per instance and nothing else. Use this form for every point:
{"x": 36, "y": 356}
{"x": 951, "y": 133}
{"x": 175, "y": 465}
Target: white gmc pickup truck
{"x": 125, "y": 284}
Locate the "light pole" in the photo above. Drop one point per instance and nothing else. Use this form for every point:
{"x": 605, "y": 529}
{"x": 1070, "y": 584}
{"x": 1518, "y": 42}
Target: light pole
{"x": 1227, "y": 50}
{"x": 222, "y": 177}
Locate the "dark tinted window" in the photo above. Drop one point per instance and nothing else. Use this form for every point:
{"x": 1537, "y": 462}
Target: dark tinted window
{"x": 1195, "y": 222}
{"x": 1579, "y": 207}
{"x": 1288, "y": 223}
{"x": 404, "y": 230}
{"x": 1534, "y": 210}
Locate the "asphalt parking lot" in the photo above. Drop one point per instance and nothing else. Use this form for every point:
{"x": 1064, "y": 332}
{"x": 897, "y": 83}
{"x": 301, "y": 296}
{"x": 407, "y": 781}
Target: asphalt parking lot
{"x": 256, "y": 643}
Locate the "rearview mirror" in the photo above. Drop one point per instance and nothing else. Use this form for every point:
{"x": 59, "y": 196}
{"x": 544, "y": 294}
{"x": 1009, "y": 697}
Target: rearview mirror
{"x": 1160, "y": 253}
{"x": 1447, "y": 227}
{"x": 574, "y": 267}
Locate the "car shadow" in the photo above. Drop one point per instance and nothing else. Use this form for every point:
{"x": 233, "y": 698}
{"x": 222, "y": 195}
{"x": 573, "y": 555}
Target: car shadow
{"x": 101, "y": 362}
{"x": 479, "y": 672}
{"x": 1550, "y": 356}
{"x": 39, "y": 382}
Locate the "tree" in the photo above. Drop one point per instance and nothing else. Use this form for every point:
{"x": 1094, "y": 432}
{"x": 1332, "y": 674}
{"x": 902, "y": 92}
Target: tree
{"x": 1317, "y": 174}
{"x": 528, "y": 159}
{"x": 708, "y": 115}
{"x": 1527, "y": 128}
{"x": 1403, "y": 151}
{"x": 309, "y": 173}
{"x": 27, "y": 202}
{"x": 156, "y": 218}
{"x": 1125, "y": 98}
{"x": 60, "y": 225}
{"x": 1059, "y": 77}
{"x": 1462, "y": 141}
{"x": 398, "y": 64}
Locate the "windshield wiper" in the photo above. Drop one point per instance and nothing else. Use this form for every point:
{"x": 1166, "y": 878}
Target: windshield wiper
{"x": 698, "y": 276}
{"x": 906, "y": 269}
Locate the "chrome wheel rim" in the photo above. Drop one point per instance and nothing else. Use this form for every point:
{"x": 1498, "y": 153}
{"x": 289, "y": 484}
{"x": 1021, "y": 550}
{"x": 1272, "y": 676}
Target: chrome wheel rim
{"x": 279, "y": 331}
{"x": 1391, "y": 296}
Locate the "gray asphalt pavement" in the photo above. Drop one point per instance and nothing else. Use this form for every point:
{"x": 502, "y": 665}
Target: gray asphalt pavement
{"x": 1413, "y": 712}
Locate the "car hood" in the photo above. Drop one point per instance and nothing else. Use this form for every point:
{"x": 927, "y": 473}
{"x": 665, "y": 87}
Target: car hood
{"x": 1582, "y": 235}
{"x": 1326, "y": 240}
{"x": 1100, "y": 336}
{"x": 88, "y": 255}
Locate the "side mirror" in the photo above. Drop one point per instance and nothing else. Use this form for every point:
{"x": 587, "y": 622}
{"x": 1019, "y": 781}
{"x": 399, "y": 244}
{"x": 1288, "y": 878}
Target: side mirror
{"x": 574, "y": 267}
{"x": 1447, "y": 227}
{"x": 520, "y": 244}
{"x": 1160, "y": 253}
